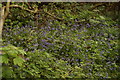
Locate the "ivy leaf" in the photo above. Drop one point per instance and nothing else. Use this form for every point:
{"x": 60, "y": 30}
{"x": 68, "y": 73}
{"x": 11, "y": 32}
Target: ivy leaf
{"x": 18, "y": 61}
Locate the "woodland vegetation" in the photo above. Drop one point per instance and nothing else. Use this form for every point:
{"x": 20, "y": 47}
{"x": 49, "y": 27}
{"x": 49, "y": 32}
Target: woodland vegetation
{"x": 60, "y": 40}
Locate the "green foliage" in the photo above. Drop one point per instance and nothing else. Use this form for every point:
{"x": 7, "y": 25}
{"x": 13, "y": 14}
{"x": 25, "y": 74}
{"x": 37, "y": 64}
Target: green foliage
{"x": 82, "y": 45}
{"x": 11, "y": 57}
{"x": 18, "y": 61}
{"x": 43, "y": 65}
{"x": 0, "y": 5}
{"x": 8, "y": 72}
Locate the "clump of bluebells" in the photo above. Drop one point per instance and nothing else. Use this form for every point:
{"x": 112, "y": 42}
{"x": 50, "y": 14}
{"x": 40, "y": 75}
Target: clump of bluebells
{"x": 89, "y": 48}
{"x": 92, "y": 49}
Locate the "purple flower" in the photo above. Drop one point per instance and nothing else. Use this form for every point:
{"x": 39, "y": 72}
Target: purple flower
{"x": 77, "y": 59}
{"x": 63, "y": 42}
{"x": 53, "y": 28}
{"x": 80, "y": 24}
{"x": 48, "y": 43}
{"x": 88, "y": 25}
{"x": 43, "y": 40}
{"x": 63, "y": 58}
{"x": 44, "y": 46}
{"x": 75, "y": 53}
{"x": 26, "y": 49}
{"x": 15, "y": 66}
{"x": 49, "y": 27}
{"x": 27, "y": 59}
{"x": 72, "y": 59}
{"x": 67, "y": 55}
{"x": 60, "y": 47}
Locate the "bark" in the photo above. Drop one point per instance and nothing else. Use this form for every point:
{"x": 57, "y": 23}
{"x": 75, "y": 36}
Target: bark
{"x": 3, "y": 15}
{"x": 97, "y": 5}
{"x": 1, "y": 22}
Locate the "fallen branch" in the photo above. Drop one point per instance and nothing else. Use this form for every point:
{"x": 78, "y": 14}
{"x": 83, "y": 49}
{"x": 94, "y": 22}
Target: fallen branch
{"x": 21, "y": 7}
{"x": 96, "y": 5}
{"x": 35, "y": 11}
{"x": 7, "y": 9}
{"x": 60, "y": 19}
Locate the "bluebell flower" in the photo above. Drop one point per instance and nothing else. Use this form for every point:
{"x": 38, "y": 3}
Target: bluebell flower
{"x": 88, "y": 25}
{"x": 15, "y": 66}
{"x": 36, "y": 44}
{"x": 26, "y": 49}
{"x": 75, "y": 53}
{"x": 77, "y": 59}
{"x": 48, "y": 43}
{"x": 63, "y": 58}
{"x": 67, "y": 55}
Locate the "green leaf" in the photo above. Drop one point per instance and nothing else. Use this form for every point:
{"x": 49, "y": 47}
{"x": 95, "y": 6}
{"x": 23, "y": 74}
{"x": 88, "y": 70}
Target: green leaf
{"x": 7, "y": 72}
{"x": 5, "y": 48}
{"x": 49, "y": 68}
{"x": 5, "y": 59}
{"x": 15, "y": 50}
{"x": 94, "y": 21}
{"x": 47, "y": 54}
{"x": 12, "y": 2}
{"x": 18, "y": 61}
{"x": 22, "y": 52}
{"x": 63, "y": 26}
{"x": 0, "y": 5}
{"x": 12, "y": 53}
{"x": 101, "y": 17}
{"x": 30, "y": 72}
